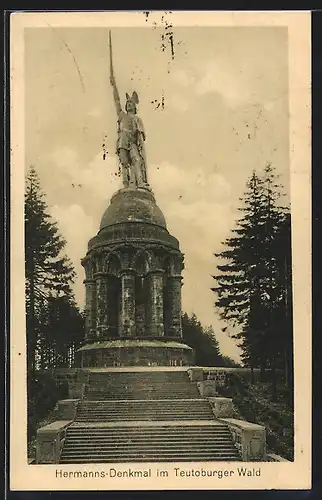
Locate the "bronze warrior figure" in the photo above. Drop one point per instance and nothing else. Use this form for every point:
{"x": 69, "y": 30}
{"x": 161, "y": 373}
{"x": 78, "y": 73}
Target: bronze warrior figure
{"x": 131, "y": 137}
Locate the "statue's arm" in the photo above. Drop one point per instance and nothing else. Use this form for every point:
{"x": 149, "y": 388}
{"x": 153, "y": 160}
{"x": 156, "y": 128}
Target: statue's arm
{"x": 112, "y": 80}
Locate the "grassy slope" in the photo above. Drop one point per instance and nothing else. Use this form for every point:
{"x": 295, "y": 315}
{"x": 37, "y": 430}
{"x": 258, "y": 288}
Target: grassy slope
{"x": 254, "y": 403}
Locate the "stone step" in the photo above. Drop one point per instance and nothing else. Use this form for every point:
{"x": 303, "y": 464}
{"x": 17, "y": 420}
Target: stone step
{"x": 145, "y": 452}
{"x": 155, "y": 451}
{"x": 139, "y": 413}
{"x": 149, "y": 411}
{"x": 136, "y": 382}
{"x": 158, "y": 428}
{"x": 139, "y": 457}
{"x": 147, "y": 396}
{"x": 134, "y": 418}
{"x": 181, "y": 414}
{"x": 147, "y": 404}
{"x": 140, "y": 385}
{"x": 141, "y": 388}
{"x": 89, "y": 443}
{"x": 130, "y": 440}
{"x": 175, "y": 401}
{"x": 142, "y": 394}
{"x": 144, "y": 433}
{"x": 145, "y": 410}
{"x": 103, "y": 460}
{"x": 149, "y": 408}
{"x": 138, "y": 375}
{"x": 160, "y": 412}
{"x": 89, "y": 440}
{"x": 145, "y": 443}
{"x": 137, "y": 403}
{"x": 116, "y": 407}
{"x": 118, "y": 433}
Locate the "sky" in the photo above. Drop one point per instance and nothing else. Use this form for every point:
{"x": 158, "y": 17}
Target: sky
{"x": 214, "y": 104}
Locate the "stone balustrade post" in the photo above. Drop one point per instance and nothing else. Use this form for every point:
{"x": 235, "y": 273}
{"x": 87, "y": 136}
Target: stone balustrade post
{"x": 249, "y": 439}
{"x": 49, "y": 441}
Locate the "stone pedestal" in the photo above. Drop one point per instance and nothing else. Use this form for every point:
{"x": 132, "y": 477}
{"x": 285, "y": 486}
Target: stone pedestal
{"x": 127, "y": 352}
{"x": 133, "y": 286}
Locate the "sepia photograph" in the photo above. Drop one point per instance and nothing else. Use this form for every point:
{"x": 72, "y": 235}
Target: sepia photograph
{"x": 157, "y": 250}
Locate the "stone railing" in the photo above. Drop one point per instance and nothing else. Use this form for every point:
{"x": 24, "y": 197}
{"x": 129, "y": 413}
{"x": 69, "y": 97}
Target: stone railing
{"x": 207, "y": 388}
{"x": 272, "y": 457}
{"x": 50, "y": 441}
{"x": 249, "y": 439}
{"x": 66, "y": 409}
{"x": 195, "y": 374}
{"x": 76, "y": 390}
{"x": 221, "y": 407}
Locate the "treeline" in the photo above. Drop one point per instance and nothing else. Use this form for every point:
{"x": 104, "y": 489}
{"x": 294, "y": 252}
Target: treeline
{"x": 203, "y": 341}
{"x": 54, "y": 324}
{"x": 254, "y": 279}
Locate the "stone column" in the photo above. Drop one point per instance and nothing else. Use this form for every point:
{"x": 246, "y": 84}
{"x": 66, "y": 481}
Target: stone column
{"x": 127, "y": 326}
{"x": 101, "y": 306}
{"x": 90, "y": 309}
{"x": 113, "y": 305}
{"x": 155, "y": 305}
{"x": 174, "y": 290}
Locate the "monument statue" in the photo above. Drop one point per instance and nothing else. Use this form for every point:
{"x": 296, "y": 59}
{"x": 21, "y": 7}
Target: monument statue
{"x": 131, "y": 136}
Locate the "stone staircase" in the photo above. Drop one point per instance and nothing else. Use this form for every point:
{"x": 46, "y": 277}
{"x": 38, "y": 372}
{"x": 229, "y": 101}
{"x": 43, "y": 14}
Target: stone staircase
{"x": 145, "y": 416}
{"x": 139, "y": 410}
{"x": 148, "y": 444}
{"x": 140, "y": 385}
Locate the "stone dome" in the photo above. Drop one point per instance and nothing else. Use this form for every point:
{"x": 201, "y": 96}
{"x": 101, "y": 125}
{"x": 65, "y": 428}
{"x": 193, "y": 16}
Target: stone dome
{"x": 133, "y": 205}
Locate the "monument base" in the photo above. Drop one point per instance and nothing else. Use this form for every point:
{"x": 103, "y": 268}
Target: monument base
{"x": 135, "y": 353}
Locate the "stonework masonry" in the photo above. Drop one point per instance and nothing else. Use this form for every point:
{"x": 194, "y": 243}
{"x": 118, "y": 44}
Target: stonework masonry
{"x": 133, "y": 282}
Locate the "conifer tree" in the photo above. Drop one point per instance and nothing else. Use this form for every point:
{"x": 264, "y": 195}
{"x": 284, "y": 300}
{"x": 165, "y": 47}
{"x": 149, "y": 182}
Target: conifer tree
{"x": 49, "y": 275}
{"x": 251, "y": 281}
{"x": 202, "y": 340}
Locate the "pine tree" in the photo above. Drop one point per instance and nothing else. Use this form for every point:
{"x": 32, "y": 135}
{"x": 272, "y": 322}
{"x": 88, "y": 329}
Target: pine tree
{"x": 249, "y": 284}
{"x": 202, "y": 340}
{"x": 49, "y": 273}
